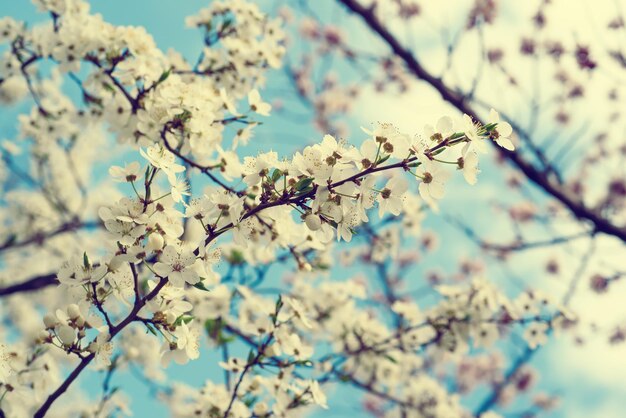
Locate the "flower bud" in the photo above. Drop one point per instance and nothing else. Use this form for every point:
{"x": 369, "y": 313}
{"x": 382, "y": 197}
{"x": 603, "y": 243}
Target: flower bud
{"x": 304, "y": 266}
{"x": 50, "y": 321}
{"x": 313, "y": 222}
{"x": 43, "y": 336}
{"x": 73, "y": 311}
{"x": 66, "y": 334}
{"x": 80, "y": 321}
{"x": 155, "y": 242}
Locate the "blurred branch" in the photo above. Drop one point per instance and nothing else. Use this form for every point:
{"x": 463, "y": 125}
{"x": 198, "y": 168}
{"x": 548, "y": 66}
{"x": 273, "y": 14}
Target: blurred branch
{"x": 30, "y": 285}
{"x": 460, "y": 102}
{"x": 518, "y": 245}
{"x": 39, "y": 238}
{"x": 578, "y": 274}
{"x": 493, "y": 397}
{"x": 528, "y": 352}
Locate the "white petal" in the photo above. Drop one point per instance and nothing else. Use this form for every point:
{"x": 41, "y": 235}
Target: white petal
{"x": 494, "y": 117}
{"x": 169, "y": 255}
{"x": 444, "y": 124}
{"x": 505, "y": 143}
{"x": 504, "y": 129}
{"x": 436, "y": 189}
{"x": 190, "y": 276}
{"x": 176, "y": 279}
{"x": 254, "y": 97}
{"x": 162, "y": 269}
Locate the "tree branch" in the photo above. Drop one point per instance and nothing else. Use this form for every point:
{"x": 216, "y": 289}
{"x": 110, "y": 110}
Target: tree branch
{"x": 30, "y": 285}
{"x": 40, "y": 237}
{"x": 132, "y": 316}
{"x": 460, "y": 102}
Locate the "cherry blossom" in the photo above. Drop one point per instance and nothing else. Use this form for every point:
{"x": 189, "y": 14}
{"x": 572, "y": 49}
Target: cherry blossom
{"x": 176, "y": 265}
{"x": 502, "y": 132}
{"x": 129, "y": 173}
{"x": 257, "y": 105}
{"x": 390, "y": 198}
{"x": 185, "y": 348}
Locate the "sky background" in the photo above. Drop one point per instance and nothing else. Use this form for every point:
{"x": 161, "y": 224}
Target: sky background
{"x": 591, "y": 380}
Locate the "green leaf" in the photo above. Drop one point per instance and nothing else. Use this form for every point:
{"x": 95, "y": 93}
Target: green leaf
{"x": 303, "y": 183}
{"x": 210, "y": 325}
{"x": 276, "y": 174}
{"x": 236, "y": 257}
{"x": 279, "y": 303}
{"x": 383, "y": 159}
{"x": 221, "y": 340}
{"x": 86, "y": 261}
{"x": 164, "y": 76}
{"x": 251, "y": 356}
{"x": 151, "y": 328}
{"x": 250, "y": 401}
{"x": 201, "y": 286}
{"x": 183, "y": 117}
{"x": 227, "y": 23}
{"x": 146, "y": 175}
{"x": 183, "y": 318}
{"x": 391, "y": 359}
{"x": 490, "y": 127}
{"x": 457, "y": 135}
{"x": 108, "y": 87}
{"x": 304, "y": 191}
{"x": 322, "y": 266}
{"x": 214, "y": 328}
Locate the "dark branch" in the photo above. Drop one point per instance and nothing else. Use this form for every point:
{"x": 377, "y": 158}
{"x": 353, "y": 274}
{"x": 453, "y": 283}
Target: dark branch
{"x": 31, "y": 285}
{"x": 459, "y": 101}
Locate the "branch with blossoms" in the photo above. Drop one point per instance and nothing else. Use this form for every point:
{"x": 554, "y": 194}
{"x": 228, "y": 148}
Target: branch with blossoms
{"x": 552, "y": 156}
{"x": 571, "y": 161}
{"x": 560, "y": 150}
{"x": 221, "y": 212}
{"x": 174, "y": 271}
{"x": 577, "y": 208}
